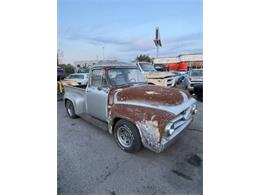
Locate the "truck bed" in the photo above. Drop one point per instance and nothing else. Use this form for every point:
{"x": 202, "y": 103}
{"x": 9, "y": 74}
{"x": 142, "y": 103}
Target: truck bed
{"x": 75, "y": 89}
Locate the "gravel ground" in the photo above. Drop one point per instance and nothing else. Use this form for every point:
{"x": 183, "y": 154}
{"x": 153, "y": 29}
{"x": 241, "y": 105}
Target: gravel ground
{"x": 90, "y": 162}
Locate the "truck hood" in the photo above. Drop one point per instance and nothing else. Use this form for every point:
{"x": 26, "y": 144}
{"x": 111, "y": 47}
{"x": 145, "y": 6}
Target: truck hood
{"x": 151, "y": 95}
{"x": 157, "y": 75}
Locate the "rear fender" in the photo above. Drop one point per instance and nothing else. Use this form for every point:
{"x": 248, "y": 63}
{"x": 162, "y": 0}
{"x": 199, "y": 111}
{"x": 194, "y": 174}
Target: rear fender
{"x": 78, "y": 103}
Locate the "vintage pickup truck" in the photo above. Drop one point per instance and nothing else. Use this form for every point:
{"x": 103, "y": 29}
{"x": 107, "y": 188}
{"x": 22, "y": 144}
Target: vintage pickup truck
{"x": 152, "y": 76}
{"x": 118, "y": 100}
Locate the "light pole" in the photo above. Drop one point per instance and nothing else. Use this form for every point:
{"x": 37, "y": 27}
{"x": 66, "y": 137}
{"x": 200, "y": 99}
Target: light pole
{"x": 103, "y": 53}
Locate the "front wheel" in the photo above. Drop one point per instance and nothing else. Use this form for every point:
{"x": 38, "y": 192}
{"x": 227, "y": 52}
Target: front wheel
{"x": 127, "y": 136}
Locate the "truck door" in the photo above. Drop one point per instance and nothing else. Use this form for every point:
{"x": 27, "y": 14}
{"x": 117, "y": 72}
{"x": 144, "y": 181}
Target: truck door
{"x": 97, "y": 94}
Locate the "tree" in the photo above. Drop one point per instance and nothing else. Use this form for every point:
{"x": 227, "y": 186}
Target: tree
{"x": 143, "y": 58}
{"x": 68, "y": 69}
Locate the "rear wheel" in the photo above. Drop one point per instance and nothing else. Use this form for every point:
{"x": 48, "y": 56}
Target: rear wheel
{"x": 70, "y": 109}
{"x": 127, "y": 136}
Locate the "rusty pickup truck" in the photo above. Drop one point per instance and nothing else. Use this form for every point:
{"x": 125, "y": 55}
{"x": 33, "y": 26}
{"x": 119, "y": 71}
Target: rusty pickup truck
{"x": 118, "y": 100}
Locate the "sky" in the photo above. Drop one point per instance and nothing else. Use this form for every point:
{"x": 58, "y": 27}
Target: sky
{"x": 126, "y": 28}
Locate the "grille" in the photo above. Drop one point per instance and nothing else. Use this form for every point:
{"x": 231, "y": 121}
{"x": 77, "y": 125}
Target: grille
{"x": 182, "y": 118}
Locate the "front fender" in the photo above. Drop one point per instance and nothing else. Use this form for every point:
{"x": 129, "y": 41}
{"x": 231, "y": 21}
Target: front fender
{"x": 150, "y": 122}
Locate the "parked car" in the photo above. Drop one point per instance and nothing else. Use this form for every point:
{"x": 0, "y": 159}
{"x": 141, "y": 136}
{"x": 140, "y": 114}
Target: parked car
{"x": 194, "y": 77}
{"x": 118, "y": 100}
{"x": 80, "y": 78}
{"x": 179, "y": 76}
{"x": 152, "y": 76}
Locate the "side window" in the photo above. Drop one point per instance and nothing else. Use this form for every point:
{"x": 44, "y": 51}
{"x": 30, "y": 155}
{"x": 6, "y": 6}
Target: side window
{"x": 98, "y": 79}
{"x": 104, "y": 81}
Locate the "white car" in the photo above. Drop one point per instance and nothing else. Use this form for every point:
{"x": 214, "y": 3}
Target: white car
{"x": 81, "y": 78}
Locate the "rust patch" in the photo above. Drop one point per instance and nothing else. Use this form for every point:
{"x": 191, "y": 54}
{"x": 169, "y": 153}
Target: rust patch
{"x": 151, "y": 121}
{"x": 153, "y": 94}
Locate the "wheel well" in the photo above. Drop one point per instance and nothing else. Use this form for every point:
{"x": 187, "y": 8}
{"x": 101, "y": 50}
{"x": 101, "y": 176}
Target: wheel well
{"x": 115, "y": 121}
{"x": 65, "y": 101}
{"x": 151, "y": 83}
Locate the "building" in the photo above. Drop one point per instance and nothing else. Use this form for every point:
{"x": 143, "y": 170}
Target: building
{"x": 181, "y": 62}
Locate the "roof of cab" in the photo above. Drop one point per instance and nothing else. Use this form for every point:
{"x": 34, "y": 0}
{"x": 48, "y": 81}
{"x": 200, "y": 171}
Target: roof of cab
{"x": 114, "y": 65}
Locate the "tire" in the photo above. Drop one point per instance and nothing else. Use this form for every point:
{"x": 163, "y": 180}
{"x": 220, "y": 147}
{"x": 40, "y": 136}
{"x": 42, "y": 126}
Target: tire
{"x": 131, "y": 134}
{"x": 70, "y": 109}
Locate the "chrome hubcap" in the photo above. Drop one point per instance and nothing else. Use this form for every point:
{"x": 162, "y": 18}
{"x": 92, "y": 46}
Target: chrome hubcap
{"x": 125, "y": 136}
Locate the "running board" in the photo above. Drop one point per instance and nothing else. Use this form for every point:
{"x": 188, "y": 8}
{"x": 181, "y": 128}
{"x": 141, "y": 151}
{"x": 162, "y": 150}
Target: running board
{"x": 94, "y": 121}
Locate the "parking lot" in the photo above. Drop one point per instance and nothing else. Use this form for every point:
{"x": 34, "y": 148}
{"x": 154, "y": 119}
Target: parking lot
{"x": 90, "y": 162}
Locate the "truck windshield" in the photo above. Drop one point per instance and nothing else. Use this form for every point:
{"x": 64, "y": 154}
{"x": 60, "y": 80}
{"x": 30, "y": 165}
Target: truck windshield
{"x": 147, "y": 67}
{"x": 125, "y": 76}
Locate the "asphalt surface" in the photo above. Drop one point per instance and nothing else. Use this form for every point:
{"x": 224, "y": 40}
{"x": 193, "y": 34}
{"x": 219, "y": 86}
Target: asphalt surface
{"x": 90, "y": 162}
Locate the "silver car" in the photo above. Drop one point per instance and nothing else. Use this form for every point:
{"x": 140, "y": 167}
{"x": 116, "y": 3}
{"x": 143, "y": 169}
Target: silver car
{"x": 194, "y": 77}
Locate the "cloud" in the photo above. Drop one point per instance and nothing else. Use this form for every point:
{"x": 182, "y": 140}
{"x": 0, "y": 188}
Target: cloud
{"x": 189, "y": 43}
{"x": 182, "y": 43}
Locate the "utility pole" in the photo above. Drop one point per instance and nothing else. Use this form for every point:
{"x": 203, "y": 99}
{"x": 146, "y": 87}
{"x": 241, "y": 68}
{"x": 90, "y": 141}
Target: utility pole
{"x": 157, "y": 51}
{"x": 157, "y": 41}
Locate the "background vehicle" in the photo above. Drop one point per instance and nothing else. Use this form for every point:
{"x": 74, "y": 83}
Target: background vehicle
{"x": 60, "y": 72}
{"x": 179, "y": 76}
{"x": 198, "y": 90}
{"x": 118, "y": 100}
{"x": 152, "y": 76}
{"x": 194, "y": 77}
{"x": 80, "y": 78}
